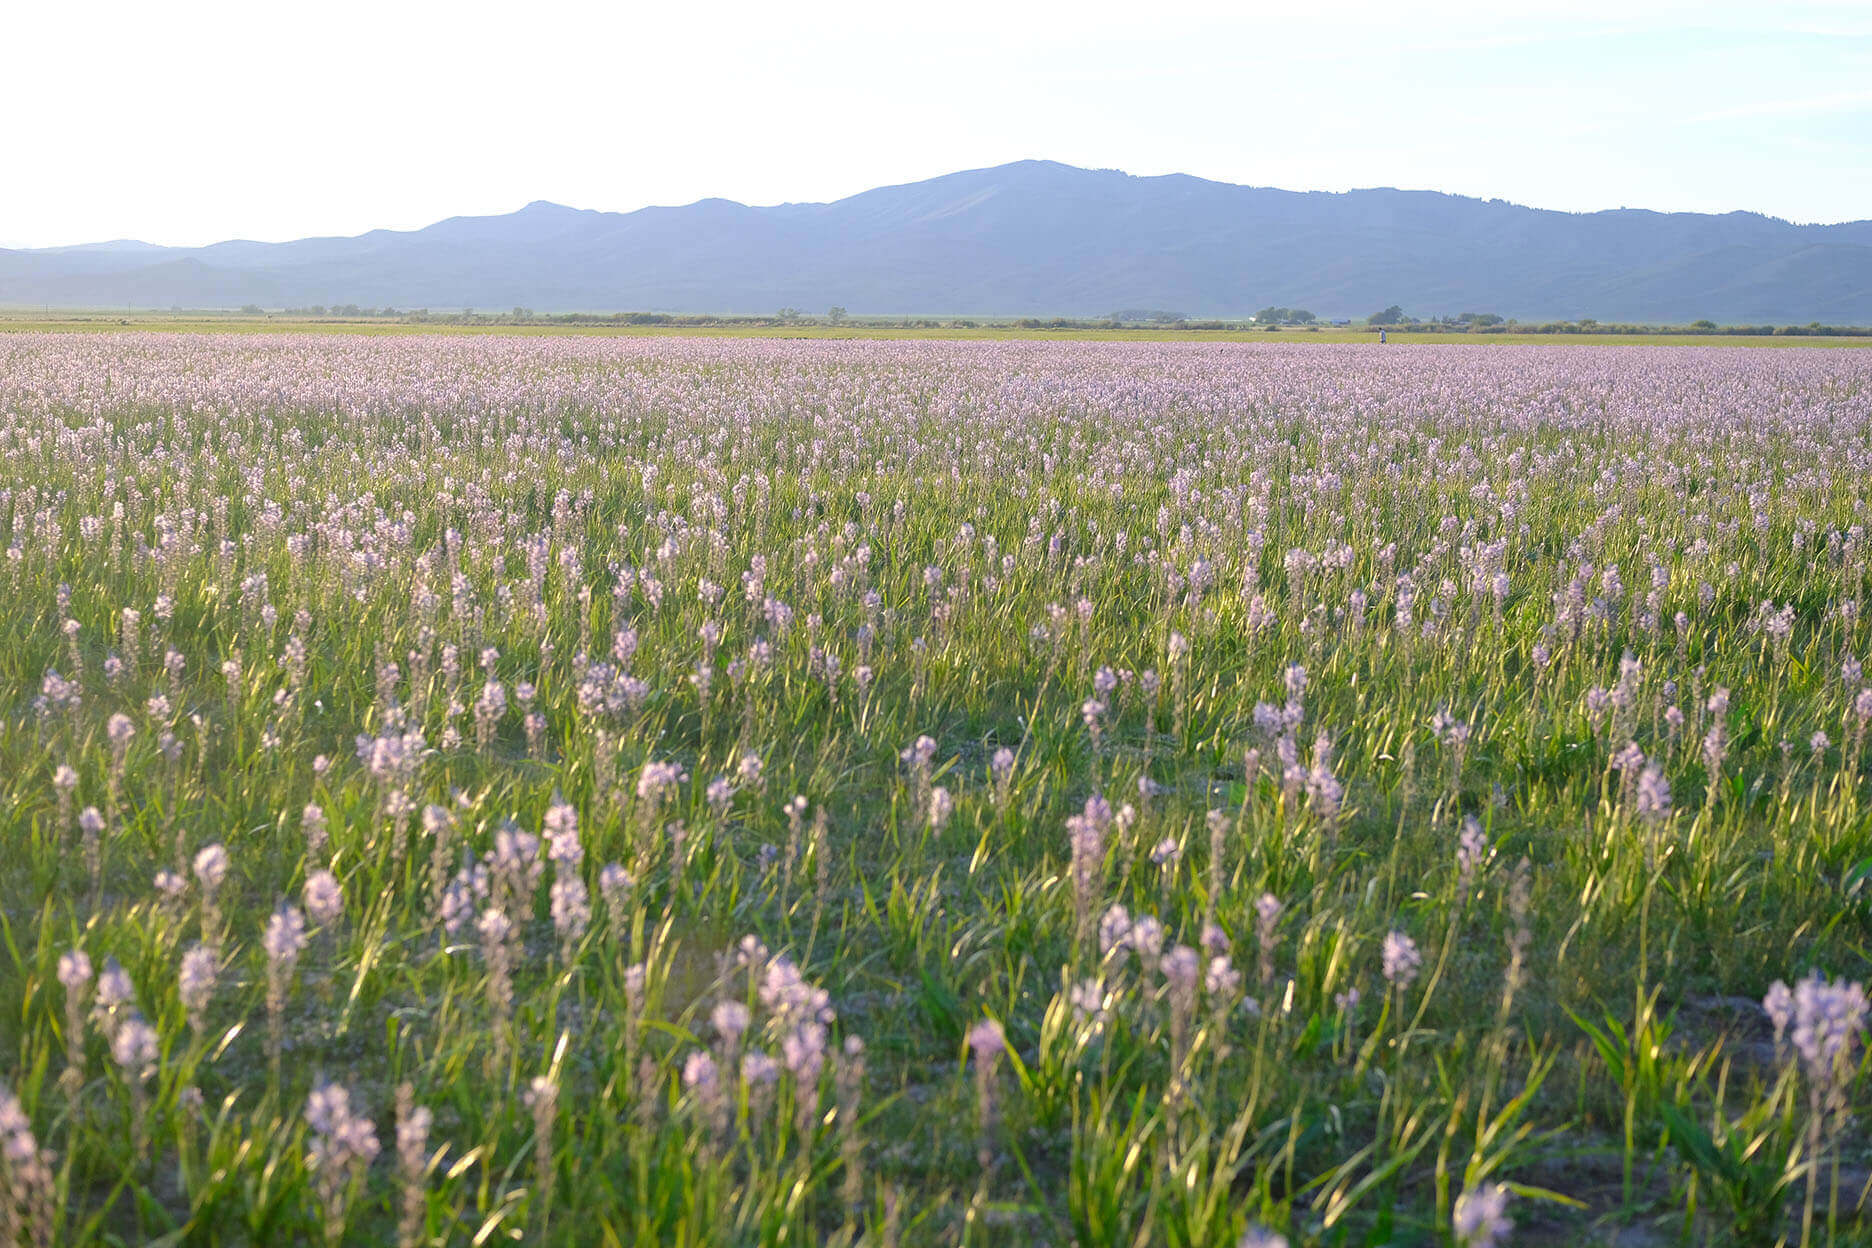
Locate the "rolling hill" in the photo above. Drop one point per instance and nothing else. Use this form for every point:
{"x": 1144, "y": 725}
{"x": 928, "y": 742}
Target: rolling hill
{"x": 1031, "y": 238}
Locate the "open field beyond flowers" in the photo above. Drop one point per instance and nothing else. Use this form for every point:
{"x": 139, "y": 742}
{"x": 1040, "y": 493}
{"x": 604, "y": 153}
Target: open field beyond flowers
{"x": 25, "y": 320}
{"x": 610, "y": 790}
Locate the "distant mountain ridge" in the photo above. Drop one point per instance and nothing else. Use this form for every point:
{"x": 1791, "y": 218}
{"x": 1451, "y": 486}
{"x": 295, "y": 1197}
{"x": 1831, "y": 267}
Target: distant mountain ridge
{"x": 1034, "y": 238}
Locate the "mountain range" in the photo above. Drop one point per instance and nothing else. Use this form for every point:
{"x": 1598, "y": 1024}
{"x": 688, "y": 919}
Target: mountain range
{"x": 1034, "y": 238}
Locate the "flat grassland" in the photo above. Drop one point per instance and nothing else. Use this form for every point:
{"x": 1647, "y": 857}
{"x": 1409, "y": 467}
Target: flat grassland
{"x": 624, "y": 788}
{"x": 233, "y": 323}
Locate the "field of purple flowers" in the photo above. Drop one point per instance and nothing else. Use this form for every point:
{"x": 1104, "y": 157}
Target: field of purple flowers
{"x": 754, "y": 792}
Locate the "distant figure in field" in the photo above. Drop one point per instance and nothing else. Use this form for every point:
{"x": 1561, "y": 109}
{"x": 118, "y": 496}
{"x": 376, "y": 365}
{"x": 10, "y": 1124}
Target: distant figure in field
{"x": 1381, "y": 336}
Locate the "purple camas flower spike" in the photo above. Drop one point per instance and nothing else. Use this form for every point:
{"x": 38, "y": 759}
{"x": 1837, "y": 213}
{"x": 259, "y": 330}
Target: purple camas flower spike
{"x": 1402, "y": 961}
{"x": 1480, "y": 1219}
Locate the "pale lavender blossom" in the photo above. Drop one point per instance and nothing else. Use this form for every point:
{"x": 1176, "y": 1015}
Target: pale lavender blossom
{"x": 324, "y": 898}
{"x": 1829, "y": 1020}
{"x": 1114, "y": 930}
{"x": 986, "y": 1041}
{"x": 1778, "y": 1004}
{"x": 134, "y": 1047}
{"x": 1088, "y": 1001}
{"x": 570, "y": 906}
{"x": 1147, "y": 936}
{"x": 114, "y": 989}
{"x": 1182, "y": 969}
{"x": 343, "y": 1145}
{"x": 561, "y": 827}
{"x": 28, "y": 1185}
{"x": 1480, "y": 1219}
{"x": 1267, "y": 916}
{"x": 615, "y": 885}
{"x": 699, "y": 1074}
{"x": 211, "y": 867}
{"x": 920, "y": 753}
{"x": 1472, "y": 851}
{"x": 1401, "y": 961}
{"x": 74, "y": 970}
{"x": 730, "y": 1019}
{"x": 1653, "y": 801}
{"x": 312, "y": 823}
{"x": 1629, "y": 761}
{"x": 657, "y": 780}
{"x": 720, "y": 793}
{"x": 285, "y": 936}
{"x": 195, "y": 982}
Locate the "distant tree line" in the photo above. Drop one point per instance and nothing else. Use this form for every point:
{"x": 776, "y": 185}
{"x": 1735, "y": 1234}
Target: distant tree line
{"x": 349, "y": 310}
{"x": 1147, "y": 316}
{"x": 1396, "y": 316}
{"x": 1393, "y": 318}
{"x": 1701, "y": 328}
{"x": 1396, "y": 319}
{"x": 1119, "y": 320}
{"x": 1489, "y": 323}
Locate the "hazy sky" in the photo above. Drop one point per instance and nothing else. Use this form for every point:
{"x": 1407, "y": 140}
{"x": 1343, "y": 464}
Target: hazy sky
{"x": 191, "y": 122}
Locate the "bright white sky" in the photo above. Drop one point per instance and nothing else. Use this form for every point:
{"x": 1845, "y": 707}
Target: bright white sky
{"x": 190, "y": 122}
